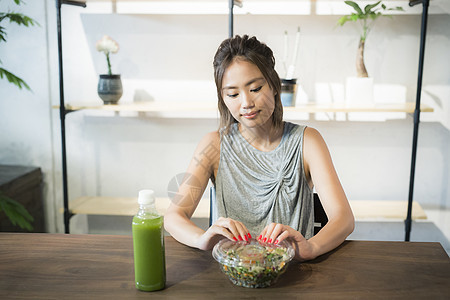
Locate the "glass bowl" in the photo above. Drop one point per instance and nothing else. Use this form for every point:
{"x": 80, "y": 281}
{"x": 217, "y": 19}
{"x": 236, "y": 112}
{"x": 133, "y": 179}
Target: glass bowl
{"x": 252, "y": 264}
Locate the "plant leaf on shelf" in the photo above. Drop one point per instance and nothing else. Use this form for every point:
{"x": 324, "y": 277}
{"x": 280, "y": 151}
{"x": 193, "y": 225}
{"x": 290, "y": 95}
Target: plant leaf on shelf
{"x": 355, "y": 6}
{"x": 368, "y": 8}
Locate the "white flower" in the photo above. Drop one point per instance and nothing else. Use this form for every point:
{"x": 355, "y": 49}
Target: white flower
{"x": 107, "y": 45}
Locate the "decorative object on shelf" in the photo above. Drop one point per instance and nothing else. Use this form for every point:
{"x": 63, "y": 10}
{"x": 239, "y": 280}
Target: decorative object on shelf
{"x": 288, "y": 91}
{"x": 289, "y": 83}
{"x": 110, "y": 88}
{"x": 19, "y": 19}
{"x": 366, "y": 19}
{"x": 360, "y": 89}
{"x": 109, "y": 85}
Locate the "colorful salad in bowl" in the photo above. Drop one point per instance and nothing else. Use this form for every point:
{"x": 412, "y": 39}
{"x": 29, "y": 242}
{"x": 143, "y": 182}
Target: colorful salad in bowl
{"x": 253, "y": 264}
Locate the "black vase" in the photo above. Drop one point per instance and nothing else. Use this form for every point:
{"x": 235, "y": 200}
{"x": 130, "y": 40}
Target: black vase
{"x": 110, "y": 88}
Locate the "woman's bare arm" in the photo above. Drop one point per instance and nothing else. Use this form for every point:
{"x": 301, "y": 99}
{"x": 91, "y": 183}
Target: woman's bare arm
{"x": 177, "y": 220}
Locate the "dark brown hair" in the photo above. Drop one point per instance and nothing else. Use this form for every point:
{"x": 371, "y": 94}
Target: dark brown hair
{"x": 251, "y": 50}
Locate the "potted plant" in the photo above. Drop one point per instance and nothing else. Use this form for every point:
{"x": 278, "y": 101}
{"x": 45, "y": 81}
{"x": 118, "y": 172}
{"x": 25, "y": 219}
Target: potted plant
{"x": 16, "y": 212}
{"x": 109, "y": 85}
{"x": 19, "y": 19}
{"x": 366, "y": 19}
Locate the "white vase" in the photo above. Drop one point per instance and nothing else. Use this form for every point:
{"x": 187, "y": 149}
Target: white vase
{"x": 359, "y": 90}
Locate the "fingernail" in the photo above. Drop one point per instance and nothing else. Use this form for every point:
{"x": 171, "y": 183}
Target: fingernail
{"x": 260, "y": 237}
{"x": 249, "y": 235}
{"x": 270, "y": 241}
{"x": 246, "y": 238}
{"x": 234, "y": 239}
{"x": 240, "y": 238}
{"x": 276, "y": 242}
{"x": 265, "y": 239}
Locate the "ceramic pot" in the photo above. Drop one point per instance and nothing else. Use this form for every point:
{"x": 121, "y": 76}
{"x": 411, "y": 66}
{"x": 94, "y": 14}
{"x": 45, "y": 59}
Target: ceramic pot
{"x": 288, "y": 91}
{"x": 110, "y": 88}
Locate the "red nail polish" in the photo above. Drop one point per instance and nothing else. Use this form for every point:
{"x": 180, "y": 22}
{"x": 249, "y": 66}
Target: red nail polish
{"x": 240, "y": 238}
{"x": 276, "y": 242}
{"x": 269, "y": 241}
{"x": 246, "y": 238}
{"x": 234, "y": 239}
{"x": 249, "y": 235}
{"x": 265, "y": 239}
{"x": 260, "y": 237}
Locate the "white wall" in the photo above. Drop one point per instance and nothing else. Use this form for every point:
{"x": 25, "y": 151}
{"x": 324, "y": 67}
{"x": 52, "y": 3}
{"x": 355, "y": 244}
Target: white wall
{"x": 113, "y": 155}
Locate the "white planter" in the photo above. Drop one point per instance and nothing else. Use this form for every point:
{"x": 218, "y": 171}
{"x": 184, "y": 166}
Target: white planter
{"x": 359, "y": 90}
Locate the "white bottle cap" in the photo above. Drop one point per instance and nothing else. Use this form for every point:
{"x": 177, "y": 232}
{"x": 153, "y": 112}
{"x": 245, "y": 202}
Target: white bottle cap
{"x": 146, "y": 197}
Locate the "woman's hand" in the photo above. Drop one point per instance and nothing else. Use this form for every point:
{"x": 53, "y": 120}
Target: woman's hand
{"x": 275, "y": 233}
{"x": 223, "y": 227}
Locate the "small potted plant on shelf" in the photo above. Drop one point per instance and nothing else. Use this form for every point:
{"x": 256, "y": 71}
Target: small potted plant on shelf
{"x": 109, "y": 85}
{"x": 361, "y": 87}
{"x": 19, "y": 19}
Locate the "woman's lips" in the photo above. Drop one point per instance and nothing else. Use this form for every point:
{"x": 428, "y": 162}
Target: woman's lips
{"x": 250, "y": 115}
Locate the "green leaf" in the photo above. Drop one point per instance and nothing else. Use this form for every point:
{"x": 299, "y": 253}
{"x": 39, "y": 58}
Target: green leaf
{"x": 16, "y": 212}
{"x": 13, "y": 79}
{"x": 354, "y": 17}
{"x": 2, "y": 34}
{"x": 343, "y": 20}
{"x": 383, "y": 6}
{"x": 369, "y": 7}
{"x": 21, "y": 19}
{"x": 355, "y": 7}
{"x": 399, "y": 8}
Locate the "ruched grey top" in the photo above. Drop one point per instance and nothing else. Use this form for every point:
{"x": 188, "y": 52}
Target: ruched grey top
{"x": 258, "y": 188}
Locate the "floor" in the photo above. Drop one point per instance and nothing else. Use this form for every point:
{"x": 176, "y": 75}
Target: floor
{"x": 436, "y": 228}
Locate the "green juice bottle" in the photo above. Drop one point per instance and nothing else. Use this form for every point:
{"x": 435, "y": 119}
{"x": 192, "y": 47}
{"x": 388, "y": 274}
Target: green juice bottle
{"x": 148, "y": 244}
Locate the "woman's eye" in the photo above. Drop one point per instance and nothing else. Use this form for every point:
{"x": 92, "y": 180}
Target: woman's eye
{"x": 232, "y": 95}
{"x": 257, "y": 89}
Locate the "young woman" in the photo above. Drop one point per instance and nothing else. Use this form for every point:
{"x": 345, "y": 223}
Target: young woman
{"x": 263, "y": 169}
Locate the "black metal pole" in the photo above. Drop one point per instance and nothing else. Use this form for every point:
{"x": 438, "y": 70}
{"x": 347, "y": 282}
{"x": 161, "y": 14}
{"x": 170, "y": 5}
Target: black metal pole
{"x": 423, "y": 32}
{"x": 63, "y": 112}
{"x": 230, "y": 18}
{"x": 62, "y": 116}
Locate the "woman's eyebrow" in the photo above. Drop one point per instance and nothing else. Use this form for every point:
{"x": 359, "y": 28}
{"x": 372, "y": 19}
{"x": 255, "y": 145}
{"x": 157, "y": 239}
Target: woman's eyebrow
{"x": 247, "y": 84}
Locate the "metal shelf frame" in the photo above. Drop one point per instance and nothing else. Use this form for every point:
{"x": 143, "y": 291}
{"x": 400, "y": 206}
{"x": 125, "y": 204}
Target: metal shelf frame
{"x": 63, "y": 111}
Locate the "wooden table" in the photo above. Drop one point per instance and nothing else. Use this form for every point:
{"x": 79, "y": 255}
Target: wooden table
{"x": 57, "y": 266}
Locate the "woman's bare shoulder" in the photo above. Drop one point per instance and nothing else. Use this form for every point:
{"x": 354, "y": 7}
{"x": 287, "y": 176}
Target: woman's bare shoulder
{"x": 210, "y": 139}
{"x": 312, "y": 134}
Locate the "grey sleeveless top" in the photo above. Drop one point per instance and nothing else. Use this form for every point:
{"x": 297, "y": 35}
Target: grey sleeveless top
{"x": 258, "y": 188}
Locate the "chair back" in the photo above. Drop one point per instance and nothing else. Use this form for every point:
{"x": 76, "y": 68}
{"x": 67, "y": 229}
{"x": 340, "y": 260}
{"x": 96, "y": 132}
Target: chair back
{"x": 320, "y": 217}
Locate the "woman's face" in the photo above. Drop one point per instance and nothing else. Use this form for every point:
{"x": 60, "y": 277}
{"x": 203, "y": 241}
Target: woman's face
{"x": 247, "y": 94}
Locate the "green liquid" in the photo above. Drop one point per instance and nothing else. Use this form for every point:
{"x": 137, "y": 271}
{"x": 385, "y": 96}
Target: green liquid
{"x": 149, "y": 258}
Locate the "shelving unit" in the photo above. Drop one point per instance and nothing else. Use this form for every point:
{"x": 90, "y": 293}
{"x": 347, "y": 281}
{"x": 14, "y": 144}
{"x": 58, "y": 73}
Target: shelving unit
{"x": 90, "y": 205}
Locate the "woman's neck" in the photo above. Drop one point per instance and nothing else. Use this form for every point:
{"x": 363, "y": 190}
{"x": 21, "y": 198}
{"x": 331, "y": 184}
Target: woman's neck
{"x": 264, "y": 138}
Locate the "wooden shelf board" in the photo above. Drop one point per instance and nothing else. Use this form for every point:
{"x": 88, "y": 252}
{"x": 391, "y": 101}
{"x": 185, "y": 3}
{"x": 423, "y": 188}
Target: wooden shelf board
{"x": 386, "y": 210}
{"x": 122, "y": 206}
{"x": 174, "y": 107}
{"x": 125, "y": 206}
